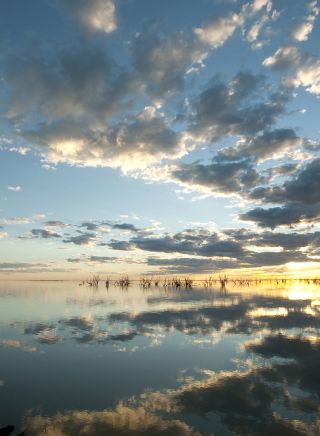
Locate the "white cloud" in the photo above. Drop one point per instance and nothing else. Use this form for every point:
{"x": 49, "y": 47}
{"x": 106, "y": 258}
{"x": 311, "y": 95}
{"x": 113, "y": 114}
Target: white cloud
{"x": 21, "y": 150}
{"x": 14, "y": 221}
{"x": 128, "y": 145}
{"x": 283, "y": 58}
{"x": 302, "y": 31}
{"x": 216, "y": 32}
{"x": 308, "y": 76}
{"x": 94, "y": 15}
{"x": 307, "y": 73}
{"x": 16, "y": 188}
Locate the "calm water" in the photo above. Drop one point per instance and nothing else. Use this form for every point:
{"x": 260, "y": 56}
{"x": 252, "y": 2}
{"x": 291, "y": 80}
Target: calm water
{"x": 74, "y": 360}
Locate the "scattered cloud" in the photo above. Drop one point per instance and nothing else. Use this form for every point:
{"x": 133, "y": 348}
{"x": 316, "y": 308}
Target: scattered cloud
{"x": 93, "y": 16}
{"x": 15, "y": 188}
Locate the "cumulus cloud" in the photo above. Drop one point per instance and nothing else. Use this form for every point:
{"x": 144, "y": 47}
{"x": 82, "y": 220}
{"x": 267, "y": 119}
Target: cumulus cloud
{"x": 161, "y": 62}
{"x": 129, "y": 144}
{"x": 286, "y": 215}
{"x": 55, "y": 223}
{"x": 233, "y": 169}
{"x": 307, "y": 68}
{"x": 298, "y": 196}
{"x": 220, "y": 177}
{"x": 82, "y": 238}
{"x": 81, "y": 80}
{"x": 302, "y": 30}
{"x": 217, "y": 31}
{"x": 15, "y": 188}
{"x": 93, "y": 15}
{"x": 303, "y": 188}
{"x": 270, "y": 144}
{"x": 14, "y": 221}
{"x": 45, "y": 234}
{"x": 207, "y": 251}
{"x": 125, "y": 226}
{"x": 231, "y": 109}
{"x": 283, "y": 58}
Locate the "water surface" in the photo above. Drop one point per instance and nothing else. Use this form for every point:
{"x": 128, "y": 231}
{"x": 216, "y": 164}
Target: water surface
{"x": 245, "y": 360}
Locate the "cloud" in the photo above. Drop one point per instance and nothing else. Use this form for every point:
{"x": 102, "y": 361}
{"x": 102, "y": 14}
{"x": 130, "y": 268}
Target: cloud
{"x": 270, "y": 144}
{"x": 44, "y": 234}
{"x": 15, "y": 221}
{"x": 77, "y": 81}
{"x": 307, "y": 68}
{"x": 161, "y": 62}
{"x": 287, "y": 215}
{"x": 220, "y": 177}
{"x": 302, "y": 30}
{"x": 120, "y": 245}
{"x": 55, "y": 223}
{"x": 129, "y": 144}
{"x": 125, "y": 226}
{"x": 189, "y": 241}
{"x": 98, "y": 259}
{"x": 16, "y": 188}
{"x": 233, "y": 169}
{"x": 83, "y": 238}
{"x": 185, "y": 265}
{"x": 93, "y": 15}
{"x": 232, "y": 109}
{"x": 19, "y": 265}
{"x": 283, "y": 58}
{"x": 300, "y": 196}
{"x": 218, "y": 30}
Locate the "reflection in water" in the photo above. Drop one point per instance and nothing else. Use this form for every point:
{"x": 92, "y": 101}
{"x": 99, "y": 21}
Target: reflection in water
{"x": 160, "y": 361}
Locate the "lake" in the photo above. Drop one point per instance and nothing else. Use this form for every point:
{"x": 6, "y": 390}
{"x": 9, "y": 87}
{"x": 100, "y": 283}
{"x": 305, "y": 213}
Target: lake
{"x": 244, "y": 360}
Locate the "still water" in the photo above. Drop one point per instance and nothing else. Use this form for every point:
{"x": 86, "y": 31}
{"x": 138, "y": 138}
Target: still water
{"x": 81, "y": 361}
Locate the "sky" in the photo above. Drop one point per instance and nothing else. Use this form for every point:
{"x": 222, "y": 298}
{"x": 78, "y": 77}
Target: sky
{"x": 159, "y": 137}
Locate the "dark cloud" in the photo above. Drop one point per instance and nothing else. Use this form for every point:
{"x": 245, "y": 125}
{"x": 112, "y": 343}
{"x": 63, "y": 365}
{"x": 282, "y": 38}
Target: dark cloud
{"x": 227, "y": 109}
{"x": 190, "y": 265}
{"x": 200, "y": 242}
{"x": 230, "y": 249}
{"x": 82, "y": 80}
{"x": 161, "y": 62}
{"x": 260, "y": 147}
{"x": 45, "y": 234}
{"x": 55, "y": 223}
{"x": 302, "y": 189}
{"x": 221, "y": 177}
{"x": 98, "y": 259}
{"x": 125, "y": 226}
{"x": 299, "y": 196}
{"x": 120, "y": 245}
{"x": 80, "y": 239}
{"x": 285, "y": 215}
{"x": 288, "y": 241}
{"x": 90, "y": 226}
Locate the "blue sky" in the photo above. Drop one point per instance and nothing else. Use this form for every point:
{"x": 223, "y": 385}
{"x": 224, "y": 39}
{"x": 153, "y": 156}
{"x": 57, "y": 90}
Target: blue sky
{"x": 148, "y": 136}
